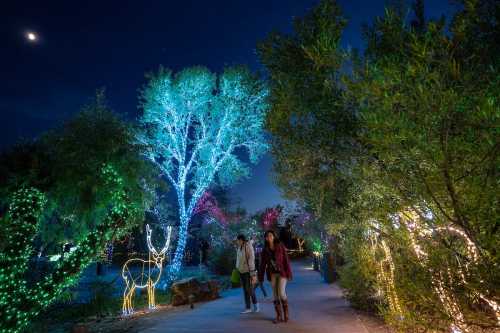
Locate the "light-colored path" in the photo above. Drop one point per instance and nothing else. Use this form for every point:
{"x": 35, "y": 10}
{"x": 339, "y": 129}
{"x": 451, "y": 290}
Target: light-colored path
{"x": 314, "y": 307}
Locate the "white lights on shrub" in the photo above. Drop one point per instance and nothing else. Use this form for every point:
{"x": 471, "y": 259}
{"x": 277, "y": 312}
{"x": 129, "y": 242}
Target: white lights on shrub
{"x": 418, "y": 230}
{"x": 389, "y": 279}
{"x": 386, "y": 279}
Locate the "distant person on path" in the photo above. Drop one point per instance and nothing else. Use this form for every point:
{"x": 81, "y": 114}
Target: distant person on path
{"x": 258, "y": 255}
{"x": 204, "y": 247}
{"x": 245, "y": 264}
{"x": 276, "y": 264}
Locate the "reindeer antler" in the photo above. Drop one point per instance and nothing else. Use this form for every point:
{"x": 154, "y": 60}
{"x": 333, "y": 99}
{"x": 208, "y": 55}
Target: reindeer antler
{"x": 167, "y": 242}
{"x": 148, "y": 240}
{"x": 150, "y": 245}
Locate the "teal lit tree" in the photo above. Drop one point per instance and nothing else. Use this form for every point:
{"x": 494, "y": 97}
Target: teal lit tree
{"x": 197, "y": 127}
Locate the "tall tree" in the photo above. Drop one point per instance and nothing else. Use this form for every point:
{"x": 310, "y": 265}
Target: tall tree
{"x": 65, "y": 164}
{"x": 428, "y": 98}
{"x": 313, "y": 129}
{"x": 195, "y": 126}
{"x": 90, "y": 177}
{"x": 403, "y": 153}
{"x": 78, "y": 149}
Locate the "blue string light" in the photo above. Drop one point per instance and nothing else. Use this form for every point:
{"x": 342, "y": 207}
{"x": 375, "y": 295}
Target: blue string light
{"x": 193, "y": 124}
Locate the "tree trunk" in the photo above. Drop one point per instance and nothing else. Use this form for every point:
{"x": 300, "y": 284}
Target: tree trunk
{"x": 176, "y": 264}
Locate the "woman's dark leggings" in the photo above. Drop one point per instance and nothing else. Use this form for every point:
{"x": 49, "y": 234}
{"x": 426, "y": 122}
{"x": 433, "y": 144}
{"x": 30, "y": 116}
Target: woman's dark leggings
{"x": 248, "y": 290}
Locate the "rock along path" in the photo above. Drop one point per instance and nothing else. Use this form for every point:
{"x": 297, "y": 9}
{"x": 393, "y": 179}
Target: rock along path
{"x": 314, "y": 307}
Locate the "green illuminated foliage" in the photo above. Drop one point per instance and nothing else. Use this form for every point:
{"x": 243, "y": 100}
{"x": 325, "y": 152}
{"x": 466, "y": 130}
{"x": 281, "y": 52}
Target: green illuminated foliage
{"x": 77, "y": 151}
{"x": 65, "y": 164}
{"x": 398, "y": 157}
{"x": 428, "y": 101}
{"x": 313, "y": 129}
{"x": 96, "y": 188}
{"x": 22, "y": 299}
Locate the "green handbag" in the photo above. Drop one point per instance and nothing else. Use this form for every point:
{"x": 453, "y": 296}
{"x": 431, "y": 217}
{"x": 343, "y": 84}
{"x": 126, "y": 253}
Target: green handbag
{"x": 235, "y": 277}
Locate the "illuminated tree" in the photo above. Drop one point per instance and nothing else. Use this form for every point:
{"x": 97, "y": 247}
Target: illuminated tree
{"x": 436, "y": 97}
{"x": 65, "y": 164}
{"x": 21, "y": 299}
{"x": 270, "y": 218}
{"x": 195, "y": 126}
{"x": 313, "y": 131}
{"x": 209, "y": 206}
{"x": 413, "y": 127}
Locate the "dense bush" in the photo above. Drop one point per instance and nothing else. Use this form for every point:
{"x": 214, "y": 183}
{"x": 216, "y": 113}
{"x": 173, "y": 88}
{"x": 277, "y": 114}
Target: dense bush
{"x": 93, "y": 182}
{"x": 398, "y": 159}
{"x": 222, "y": 259}
{"x": 20, "y": 300}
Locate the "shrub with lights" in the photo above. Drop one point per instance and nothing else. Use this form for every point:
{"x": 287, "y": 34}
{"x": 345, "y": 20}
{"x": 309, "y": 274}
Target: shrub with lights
{"x": 21, "y": 299}
{"x": 398, "y": 158}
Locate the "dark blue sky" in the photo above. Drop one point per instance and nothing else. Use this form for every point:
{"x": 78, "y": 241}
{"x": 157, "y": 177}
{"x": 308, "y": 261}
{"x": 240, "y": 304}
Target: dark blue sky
{"x": 85, "y": 45}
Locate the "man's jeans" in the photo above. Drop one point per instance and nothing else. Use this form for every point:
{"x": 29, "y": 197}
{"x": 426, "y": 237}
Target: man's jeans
{"x": 248, "y": 290}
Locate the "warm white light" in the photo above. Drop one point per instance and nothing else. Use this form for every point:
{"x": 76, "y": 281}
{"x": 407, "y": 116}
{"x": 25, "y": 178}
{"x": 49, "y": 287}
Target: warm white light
{"x": 145, "y": 277}
{"x": 416, "y": 228}
{"x": 31, "y": 36}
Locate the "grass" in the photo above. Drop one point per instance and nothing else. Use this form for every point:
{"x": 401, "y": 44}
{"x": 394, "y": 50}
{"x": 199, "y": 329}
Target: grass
{"x": 102, "y": 305}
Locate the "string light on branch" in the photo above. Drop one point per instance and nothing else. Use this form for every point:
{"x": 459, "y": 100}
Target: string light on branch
{"x": 194, "y": 122}
{"x": 417, "y": 230}
{"x": 22, "y": 300}
{"x": 385, "y": 273}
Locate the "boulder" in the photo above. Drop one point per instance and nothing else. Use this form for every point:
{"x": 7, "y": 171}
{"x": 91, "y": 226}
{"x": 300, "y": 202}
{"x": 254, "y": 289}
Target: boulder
{"x": 209, "y": 290}
{"x": 182, "y": 289}
{"x": 191, "y": 290}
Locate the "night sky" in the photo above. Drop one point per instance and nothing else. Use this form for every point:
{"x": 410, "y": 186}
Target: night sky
{"x": 85, "y": 45}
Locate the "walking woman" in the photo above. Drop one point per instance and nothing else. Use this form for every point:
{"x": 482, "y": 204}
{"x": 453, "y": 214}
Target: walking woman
{"x": 245, "y": 263}
{"x": 276, "y": 264}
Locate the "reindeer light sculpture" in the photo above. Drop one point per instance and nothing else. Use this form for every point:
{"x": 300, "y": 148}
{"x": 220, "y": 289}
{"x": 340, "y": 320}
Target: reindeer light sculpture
{"x": 147, "y": 275}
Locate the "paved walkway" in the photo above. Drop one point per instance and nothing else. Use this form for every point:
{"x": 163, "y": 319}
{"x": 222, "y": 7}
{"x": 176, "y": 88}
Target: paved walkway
{"x": 314, "y": 307}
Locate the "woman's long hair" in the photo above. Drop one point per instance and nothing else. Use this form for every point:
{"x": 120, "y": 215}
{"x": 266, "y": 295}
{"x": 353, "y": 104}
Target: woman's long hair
{"x": 276, "y": 240}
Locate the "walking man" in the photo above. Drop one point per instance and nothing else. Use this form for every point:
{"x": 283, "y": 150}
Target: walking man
{"x": 245, "y": 263}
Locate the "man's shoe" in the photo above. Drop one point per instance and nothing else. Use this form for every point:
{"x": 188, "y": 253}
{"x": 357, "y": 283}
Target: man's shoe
{"x": 256, "y": 307}
{"x": 246, "y": 311}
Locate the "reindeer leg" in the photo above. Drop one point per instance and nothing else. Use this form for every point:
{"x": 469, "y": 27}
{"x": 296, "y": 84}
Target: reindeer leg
{"x": 130, "y": 297}
{"x": 128, "y": 302}
{"x": 153, "y": 302}
{"x": 150, "y": 301}
{"x": 125, "y": 308}
{"x": 151, "y": 295}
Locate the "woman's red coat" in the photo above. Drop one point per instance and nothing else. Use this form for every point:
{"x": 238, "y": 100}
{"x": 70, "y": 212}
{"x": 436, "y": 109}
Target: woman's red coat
{"x": 282, "y": 261}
